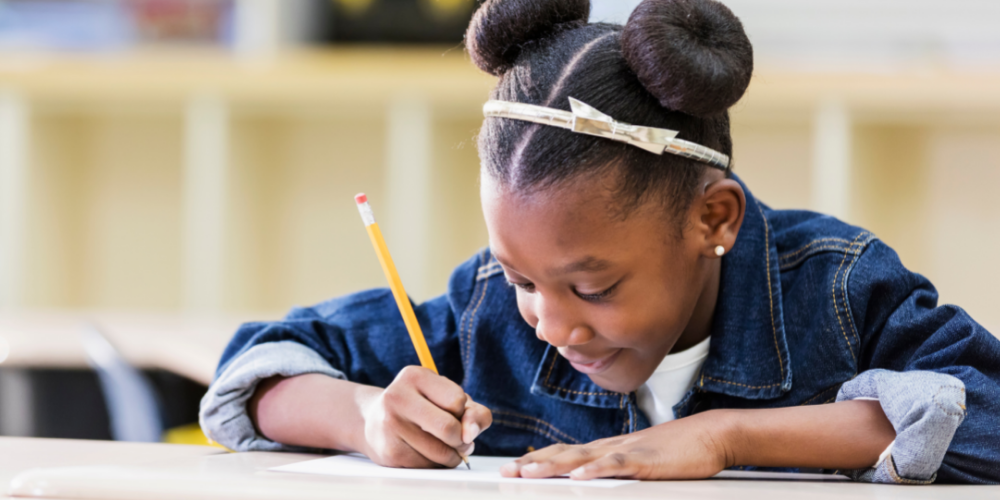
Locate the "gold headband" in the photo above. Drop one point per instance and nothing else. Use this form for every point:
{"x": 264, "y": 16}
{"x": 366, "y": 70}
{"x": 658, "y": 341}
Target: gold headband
{"x": 587, "y": 120}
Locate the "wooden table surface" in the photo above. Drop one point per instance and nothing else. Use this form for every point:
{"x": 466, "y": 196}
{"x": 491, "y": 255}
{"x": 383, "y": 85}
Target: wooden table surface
{"x": 65, "y": 469}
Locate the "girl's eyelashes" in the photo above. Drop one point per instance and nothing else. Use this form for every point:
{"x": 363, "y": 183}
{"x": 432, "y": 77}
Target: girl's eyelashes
{"x": 528, "y": 287}
{"x": 598, "y": 297}
{"x": 589, "y": 297}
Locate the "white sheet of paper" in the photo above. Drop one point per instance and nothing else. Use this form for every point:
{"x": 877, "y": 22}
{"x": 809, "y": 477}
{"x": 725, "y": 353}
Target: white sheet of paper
{"x": 487, "y": 470}
{"x": 484, "y": 470}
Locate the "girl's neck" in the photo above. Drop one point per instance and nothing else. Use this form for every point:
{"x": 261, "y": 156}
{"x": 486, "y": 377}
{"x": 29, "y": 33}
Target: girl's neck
{"x": 700, "y": 325}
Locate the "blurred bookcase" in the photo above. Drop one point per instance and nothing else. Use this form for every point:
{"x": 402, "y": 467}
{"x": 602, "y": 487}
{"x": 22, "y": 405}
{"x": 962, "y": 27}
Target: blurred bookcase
{"x": 199, "y": 179}
{"x": 203, "y": 181}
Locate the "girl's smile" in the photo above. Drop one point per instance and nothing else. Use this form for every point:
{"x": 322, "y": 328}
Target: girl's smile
{"x": 589, "y": 366}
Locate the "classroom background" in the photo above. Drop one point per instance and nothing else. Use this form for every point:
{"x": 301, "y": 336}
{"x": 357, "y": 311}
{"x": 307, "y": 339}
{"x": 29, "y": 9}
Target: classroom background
{"x": 172, "y": 168}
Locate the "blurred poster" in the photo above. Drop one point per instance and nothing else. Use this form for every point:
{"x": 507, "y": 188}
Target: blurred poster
{"x": 393, "y": 21}
{"x": 113, "y": 24}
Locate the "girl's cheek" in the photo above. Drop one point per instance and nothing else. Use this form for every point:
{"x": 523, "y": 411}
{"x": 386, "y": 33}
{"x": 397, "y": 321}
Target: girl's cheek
{"x": 526, "y": 310}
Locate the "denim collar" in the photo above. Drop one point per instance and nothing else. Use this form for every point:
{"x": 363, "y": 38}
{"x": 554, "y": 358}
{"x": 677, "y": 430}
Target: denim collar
{"x": 748, "y": 357}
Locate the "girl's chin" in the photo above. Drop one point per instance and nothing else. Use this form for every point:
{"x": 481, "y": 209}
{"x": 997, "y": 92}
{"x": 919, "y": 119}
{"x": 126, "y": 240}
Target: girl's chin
{"x": 621, "y": 384}
{"x": 619, "y": 378}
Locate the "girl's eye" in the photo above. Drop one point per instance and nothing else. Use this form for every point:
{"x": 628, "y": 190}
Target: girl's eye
{"x": 597, "y": 297}
{"x": 527, "y": 287}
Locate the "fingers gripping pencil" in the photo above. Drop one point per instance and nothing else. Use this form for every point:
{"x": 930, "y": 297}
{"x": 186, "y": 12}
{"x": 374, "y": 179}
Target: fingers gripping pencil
{"x": 396, "y": 285}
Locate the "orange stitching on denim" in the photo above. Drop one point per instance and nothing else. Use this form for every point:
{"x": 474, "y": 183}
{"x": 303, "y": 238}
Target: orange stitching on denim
{"x": 548, "y": 375}
{"x": 739, "y": 384}
{"x": 537, "y": 429}
{"x": 571, "y": 391}
{"x": 824, "y": 391}
{"x": 550, "y": 426}
{"x": 843, "y": 288}
{"x": 788, "y": 255}
{"x": 466, "y": 317}
{"x": 472, "y": 320}
{"x": 621, "y": 407}
{"x": 770, "y": 295}
{"x": 489, "y": 274}
{"x": 890, "y": 465}
{"x": 487, "y": 270}
{"x": 939, "y": 405}
{"x": 836, "y": 308}
{"x": 492, "y": 263}
{"x": 789, "y": 265}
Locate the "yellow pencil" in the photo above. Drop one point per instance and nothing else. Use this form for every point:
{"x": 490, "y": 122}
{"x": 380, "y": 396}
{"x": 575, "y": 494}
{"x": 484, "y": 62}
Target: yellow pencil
{"x": 396, "y": 285}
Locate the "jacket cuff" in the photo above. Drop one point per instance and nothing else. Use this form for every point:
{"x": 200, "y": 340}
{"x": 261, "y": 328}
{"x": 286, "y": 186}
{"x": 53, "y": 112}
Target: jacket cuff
{"x": 924, "y": 407}
{"x": 223, "y": 416}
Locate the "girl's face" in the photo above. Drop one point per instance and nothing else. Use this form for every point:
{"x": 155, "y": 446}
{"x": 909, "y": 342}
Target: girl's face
{"x": 614, "y": 295}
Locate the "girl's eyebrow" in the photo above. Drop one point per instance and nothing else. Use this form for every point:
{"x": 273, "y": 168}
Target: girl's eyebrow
{"x": 587, "y": 264}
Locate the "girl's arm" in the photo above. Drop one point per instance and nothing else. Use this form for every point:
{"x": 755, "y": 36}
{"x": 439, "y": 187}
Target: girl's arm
{"x": 298, "y": 411}
{"x": 847, "y": 435}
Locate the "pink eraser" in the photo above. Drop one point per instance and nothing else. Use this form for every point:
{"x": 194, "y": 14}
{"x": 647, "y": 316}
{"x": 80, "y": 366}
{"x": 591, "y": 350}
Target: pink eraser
{"x": 361, "y": 198}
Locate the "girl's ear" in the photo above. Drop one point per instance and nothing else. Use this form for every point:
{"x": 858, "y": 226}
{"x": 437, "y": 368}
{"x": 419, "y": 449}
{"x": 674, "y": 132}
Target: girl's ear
{"x": 721, "y": 212}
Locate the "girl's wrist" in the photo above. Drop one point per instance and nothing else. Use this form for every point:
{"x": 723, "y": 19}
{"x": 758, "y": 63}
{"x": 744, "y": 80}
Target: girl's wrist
{"x": 730, "y": 438}
{"x": 353, "y": 437}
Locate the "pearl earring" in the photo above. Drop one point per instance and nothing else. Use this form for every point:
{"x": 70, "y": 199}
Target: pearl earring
{"x": 720, "y": 250}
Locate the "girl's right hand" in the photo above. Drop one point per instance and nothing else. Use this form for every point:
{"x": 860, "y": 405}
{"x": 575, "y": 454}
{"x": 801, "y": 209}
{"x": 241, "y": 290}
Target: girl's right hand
{"x": 422, "y": 420}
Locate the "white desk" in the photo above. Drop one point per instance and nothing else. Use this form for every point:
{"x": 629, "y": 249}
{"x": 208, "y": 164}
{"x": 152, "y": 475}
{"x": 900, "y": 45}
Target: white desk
{"x": 127, "y": 471}
{"x": 21, "y": 454}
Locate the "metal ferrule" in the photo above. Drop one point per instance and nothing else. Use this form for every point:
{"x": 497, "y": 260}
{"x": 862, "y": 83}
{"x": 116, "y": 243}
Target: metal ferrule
{"x": 366, "y": 213}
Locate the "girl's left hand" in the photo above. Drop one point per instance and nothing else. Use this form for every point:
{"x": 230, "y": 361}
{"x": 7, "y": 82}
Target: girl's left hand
{"x": 695, "y": 447}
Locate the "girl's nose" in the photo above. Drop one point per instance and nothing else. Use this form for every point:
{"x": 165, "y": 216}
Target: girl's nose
{"x": 559, "y": 327}
{"x": 565, "y": 337}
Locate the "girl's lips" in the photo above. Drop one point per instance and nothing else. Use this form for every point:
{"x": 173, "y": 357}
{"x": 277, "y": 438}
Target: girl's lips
{"x": 596, "y": 366}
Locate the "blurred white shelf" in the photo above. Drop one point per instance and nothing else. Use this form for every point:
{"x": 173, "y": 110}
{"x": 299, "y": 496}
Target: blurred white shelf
{"x": 204, "y": 181}
{"x": 188, "y": 345}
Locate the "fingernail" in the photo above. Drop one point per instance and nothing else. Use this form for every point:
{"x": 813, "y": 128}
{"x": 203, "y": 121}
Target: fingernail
{"x": 531, "y": 468}
{"x": 511, "y": 468}
{"x": 470, "y": 450}
{"x": 577, "y": 473}
{"x": 472, "y": 433}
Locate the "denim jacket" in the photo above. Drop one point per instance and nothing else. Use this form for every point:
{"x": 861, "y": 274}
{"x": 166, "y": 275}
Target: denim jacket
{"x": 811, "y": 310}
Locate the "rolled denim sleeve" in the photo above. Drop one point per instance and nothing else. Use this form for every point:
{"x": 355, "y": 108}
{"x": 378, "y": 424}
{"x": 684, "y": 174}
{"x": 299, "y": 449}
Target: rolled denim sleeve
{"x": 934, "y": 370}
{"x": 223, "y": 413}
{"x": 925, "y": 408}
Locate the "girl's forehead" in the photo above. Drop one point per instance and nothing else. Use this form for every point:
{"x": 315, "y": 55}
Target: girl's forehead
{"x": 558, "y": 227}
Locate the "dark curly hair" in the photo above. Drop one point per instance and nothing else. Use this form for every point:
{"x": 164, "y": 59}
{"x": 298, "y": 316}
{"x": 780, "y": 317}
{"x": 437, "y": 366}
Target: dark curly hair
{"x": 676, "y": 64}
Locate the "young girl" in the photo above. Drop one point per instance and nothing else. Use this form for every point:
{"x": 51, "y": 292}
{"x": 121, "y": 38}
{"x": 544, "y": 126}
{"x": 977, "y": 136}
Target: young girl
{"x": 638, "y": 313}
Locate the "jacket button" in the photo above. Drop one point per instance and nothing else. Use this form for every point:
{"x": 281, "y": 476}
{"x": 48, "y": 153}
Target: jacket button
{"x": 531, "y": 449}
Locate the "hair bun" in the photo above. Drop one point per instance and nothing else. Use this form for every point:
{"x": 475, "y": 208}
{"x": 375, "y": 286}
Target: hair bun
{"x": 500, "y": 27}
{"x": 692, "y": 55}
